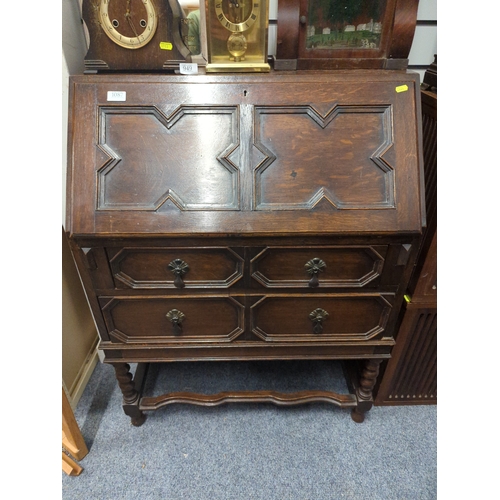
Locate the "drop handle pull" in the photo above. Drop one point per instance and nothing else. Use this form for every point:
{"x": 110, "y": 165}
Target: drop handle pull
{"x": 176, "y": 317}
{"x": 313, "y": 268}
{"x": 179, "y": 268}
{"x": 317, "y": 317}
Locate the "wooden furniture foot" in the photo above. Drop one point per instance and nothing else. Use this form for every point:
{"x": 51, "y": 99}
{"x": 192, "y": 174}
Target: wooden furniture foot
{"x": 364, "y": 391}
{"x": 131, "y": 389}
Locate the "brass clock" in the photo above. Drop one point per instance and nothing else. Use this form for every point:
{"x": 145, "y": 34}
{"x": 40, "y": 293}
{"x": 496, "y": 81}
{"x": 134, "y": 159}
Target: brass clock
{"x": 135, "y": 35}
{"x": 237, "y": 35}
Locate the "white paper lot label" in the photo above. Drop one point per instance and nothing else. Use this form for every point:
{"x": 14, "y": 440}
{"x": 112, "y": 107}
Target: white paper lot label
{"x": 188, "y": 68}
{"x": 117, "y": 95}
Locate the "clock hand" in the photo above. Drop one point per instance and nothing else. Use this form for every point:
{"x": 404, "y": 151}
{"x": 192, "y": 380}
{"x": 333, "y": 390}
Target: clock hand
{"x": 238, "y": 7}
{"x": 129, "y": 18}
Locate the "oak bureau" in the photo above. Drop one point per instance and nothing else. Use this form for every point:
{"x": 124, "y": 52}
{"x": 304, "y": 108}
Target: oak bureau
{"x": 245, "y": 217}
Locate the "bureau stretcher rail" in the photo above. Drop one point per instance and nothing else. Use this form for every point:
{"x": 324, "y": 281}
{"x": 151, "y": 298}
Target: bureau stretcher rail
{"x": 277, "y": 398}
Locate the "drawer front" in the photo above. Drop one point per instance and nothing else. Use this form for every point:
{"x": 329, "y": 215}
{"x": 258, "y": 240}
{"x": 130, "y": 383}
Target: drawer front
{"x": 320, "y": 318}
{"x": 319, "y": 266}
{"x": 173, "y": 320}
{"x": 181, "y": 267}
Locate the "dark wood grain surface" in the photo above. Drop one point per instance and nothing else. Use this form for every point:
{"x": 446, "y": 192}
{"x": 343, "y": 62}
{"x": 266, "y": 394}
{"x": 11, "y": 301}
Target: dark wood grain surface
{"x": 245, "y": 217}
{"x": 246, "y": 166}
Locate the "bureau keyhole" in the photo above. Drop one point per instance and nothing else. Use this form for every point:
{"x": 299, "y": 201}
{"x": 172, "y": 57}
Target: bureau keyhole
{"x": 245, "y": 93}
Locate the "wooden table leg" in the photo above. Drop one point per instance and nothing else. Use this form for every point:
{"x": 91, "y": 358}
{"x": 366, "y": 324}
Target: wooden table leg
{"x": 131, "y": 396}
{"x": 364, "y": 391}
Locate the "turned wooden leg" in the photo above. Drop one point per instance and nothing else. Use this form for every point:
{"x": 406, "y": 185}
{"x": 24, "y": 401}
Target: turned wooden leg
{"x": 131, "y": 396}
{"x": 365, "y": 389}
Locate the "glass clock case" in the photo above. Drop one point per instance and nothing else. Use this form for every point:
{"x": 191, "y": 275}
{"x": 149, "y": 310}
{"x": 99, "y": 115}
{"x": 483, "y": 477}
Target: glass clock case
{"x": 237, "y": 35}
{"x": 336, "y": 34}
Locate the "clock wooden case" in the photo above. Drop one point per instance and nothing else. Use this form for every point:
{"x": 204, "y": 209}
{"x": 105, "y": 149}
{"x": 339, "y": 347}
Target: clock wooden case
{"x": 344, "y": 34}
{"x": 135, "y": 35}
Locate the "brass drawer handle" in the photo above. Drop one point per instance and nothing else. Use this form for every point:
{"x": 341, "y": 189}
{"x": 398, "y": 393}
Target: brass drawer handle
{"x": 179, "y": 268}
{"x": 317, "y": 317}
{"x": 314, "y": 267}
{"x": 176, "y": 317}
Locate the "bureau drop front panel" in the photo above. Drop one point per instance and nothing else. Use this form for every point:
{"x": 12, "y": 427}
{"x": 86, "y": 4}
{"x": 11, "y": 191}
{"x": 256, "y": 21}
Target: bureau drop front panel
{"x": 245, "y": 217}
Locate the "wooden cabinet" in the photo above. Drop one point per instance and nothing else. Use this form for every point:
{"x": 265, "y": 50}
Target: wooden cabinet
{"x": 245, "y": 217}
{"x": 410, "y": 376}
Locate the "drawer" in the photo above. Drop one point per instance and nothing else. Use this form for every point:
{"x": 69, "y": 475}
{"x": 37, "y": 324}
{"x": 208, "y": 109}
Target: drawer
{"x": 320, "y": 318}
{"x": 179, "y": 267}
{"x": 319, "y": 266}
{"x": 172, "y": 320}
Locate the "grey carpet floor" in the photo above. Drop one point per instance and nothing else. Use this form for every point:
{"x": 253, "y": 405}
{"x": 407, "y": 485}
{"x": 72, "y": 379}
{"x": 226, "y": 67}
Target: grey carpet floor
{"x": 250, "y": 451}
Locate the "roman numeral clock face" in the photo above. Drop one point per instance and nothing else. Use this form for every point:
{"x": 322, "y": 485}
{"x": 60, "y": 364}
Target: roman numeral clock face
{"x": 129, "y": 23}
{"x": 237, "y": 15}
{"x": 237, "y": 35}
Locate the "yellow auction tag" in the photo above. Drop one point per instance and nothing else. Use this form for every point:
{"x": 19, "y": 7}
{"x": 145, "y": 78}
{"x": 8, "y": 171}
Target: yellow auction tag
{"x": 166, "y": 46}
{"x": 401, "y": 88}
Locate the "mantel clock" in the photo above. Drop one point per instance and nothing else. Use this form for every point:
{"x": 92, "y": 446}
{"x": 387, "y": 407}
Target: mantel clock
{"x": 237, "y": 35}
{"x": 344, "y": 34}
{"x": 135, "y": 35}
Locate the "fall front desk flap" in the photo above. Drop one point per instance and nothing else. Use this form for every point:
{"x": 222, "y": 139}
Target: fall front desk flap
{"x": 308, "y": 153}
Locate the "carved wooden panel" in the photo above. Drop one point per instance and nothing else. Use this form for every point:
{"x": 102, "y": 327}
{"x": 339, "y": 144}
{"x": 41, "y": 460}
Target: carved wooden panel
{"x": 210, "y": 267}
{"x": 343, "y": 266}
{"x": 342, "y": 317}
{"x": 311, "y": 153}
{"x": 152, "y": 158}
{"x": 151, "y": 319}
{"x": 346, "y": 166}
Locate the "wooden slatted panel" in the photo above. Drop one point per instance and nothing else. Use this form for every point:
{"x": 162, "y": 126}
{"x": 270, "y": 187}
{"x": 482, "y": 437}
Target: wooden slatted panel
{"x": 414, "y": 362}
